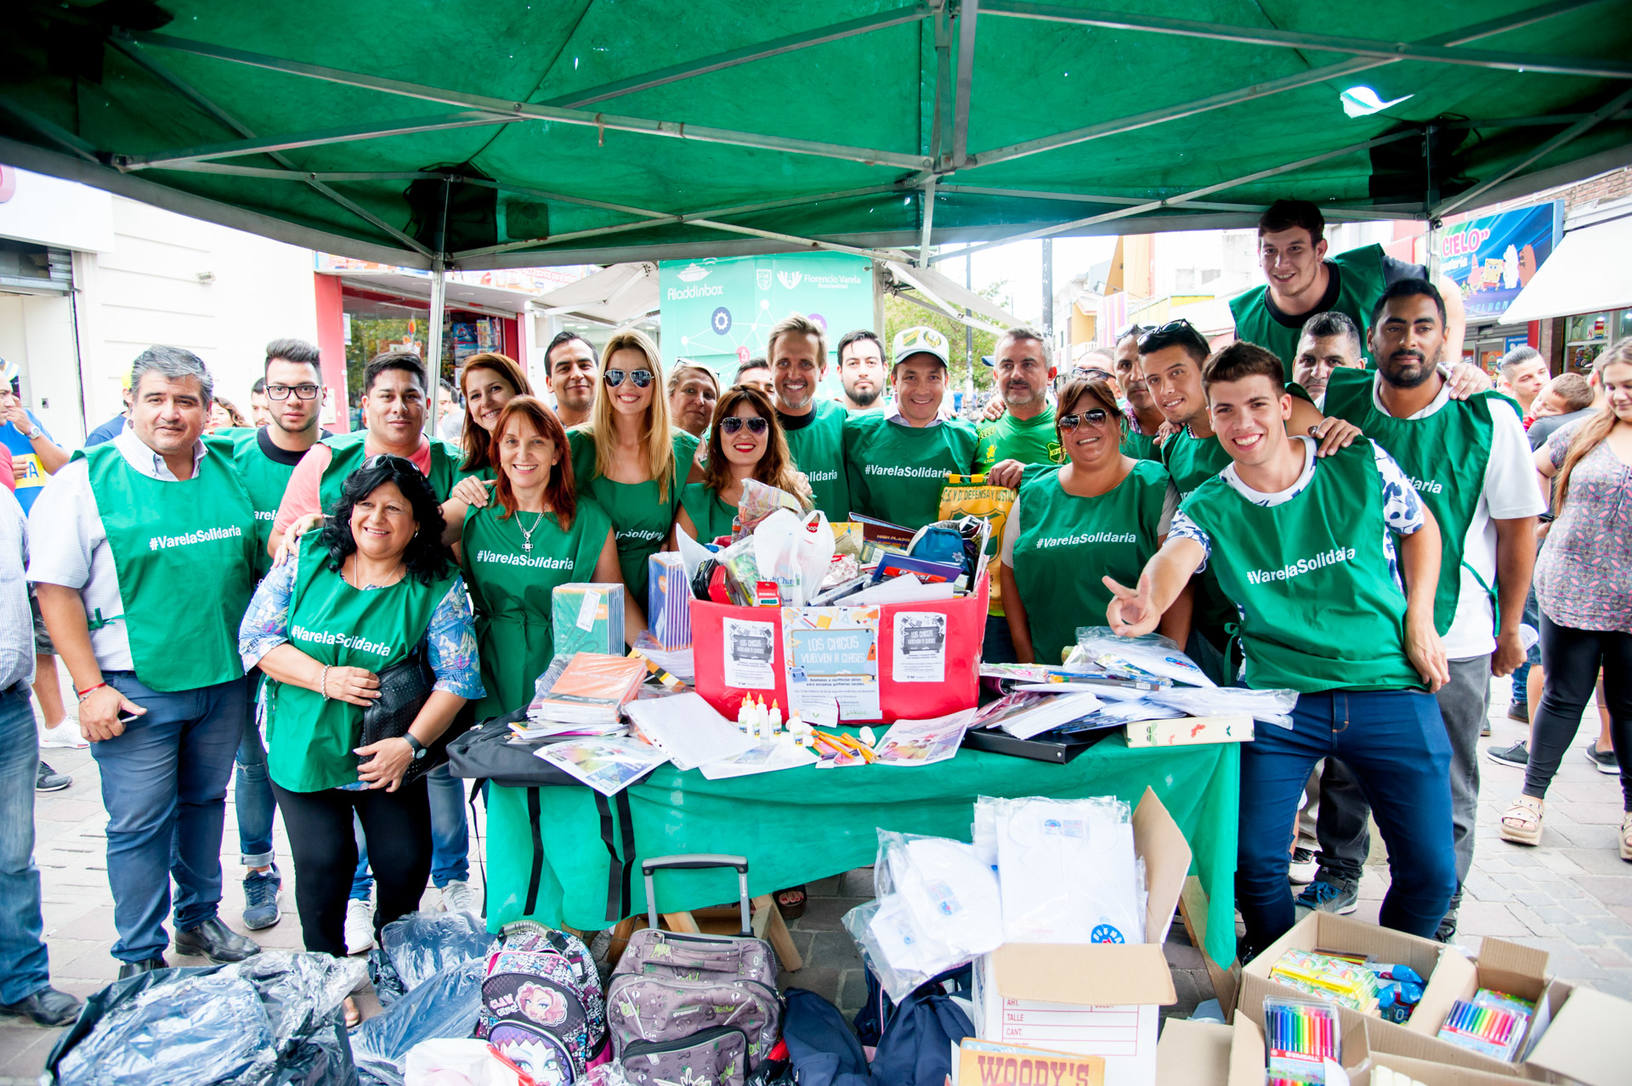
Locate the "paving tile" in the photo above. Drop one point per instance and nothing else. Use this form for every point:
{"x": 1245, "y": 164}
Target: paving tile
{"x": 1480, "y": 918}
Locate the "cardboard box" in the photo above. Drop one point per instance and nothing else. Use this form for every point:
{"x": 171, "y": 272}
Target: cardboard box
{"x": 1186, "y": 731}
{"x": 1096, "y": 999}
{"x": 1209, "y": 1054}
{"x": 1581, "y": 1036}
{"x": 983, "y": 1063}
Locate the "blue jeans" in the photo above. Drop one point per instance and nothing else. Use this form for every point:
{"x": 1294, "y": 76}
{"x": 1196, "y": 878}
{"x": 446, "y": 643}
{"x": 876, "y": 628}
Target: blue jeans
{"x": 252, "y": 791}
{"x": 450, "y": 835}
{"x": 23, "y": 966}
{"x": 164, "y": 784}
{"x": 1394, "y": 744}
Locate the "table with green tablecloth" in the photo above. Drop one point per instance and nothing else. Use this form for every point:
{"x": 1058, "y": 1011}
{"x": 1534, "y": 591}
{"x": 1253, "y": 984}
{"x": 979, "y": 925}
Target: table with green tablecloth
{"x": 799, "y": 825}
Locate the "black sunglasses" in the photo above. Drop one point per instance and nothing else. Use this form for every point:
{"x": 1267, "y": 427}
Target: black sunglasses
{"x": 1170, "y": 328}
{"x": 732, "y": 423}
{"x": 1094, "y": 416}
{"x": 641, "y": 378}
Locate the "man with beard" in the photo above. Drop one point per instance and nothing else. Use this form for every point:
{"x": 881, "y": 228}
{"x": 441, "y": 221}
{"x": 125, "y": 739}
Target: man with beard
{"x": 574, "y": 373}
{"x": 861, "y": 370}
{"x": 1472, "y": 466}
{"x": 814, "y": 428}
{"x": 1024, "y": 432}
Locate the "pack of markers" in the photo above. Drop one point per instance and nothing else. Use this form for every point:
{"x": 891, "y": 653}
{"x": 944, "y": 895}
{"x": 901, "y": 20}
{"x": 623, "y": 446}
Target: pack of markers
{"x": 1491, "y": 1023}
{"x": 1302, "y": 1038}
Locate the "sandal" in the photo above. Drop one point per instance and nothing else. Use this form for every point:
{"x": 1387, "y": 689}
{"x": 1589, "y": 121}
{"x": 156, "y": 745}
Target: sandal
{"x": 791, "y": 902}
{"x": 1626, "y": 837}
{"x": 1521, "y": 822}
{"x": 354, "y": 1014}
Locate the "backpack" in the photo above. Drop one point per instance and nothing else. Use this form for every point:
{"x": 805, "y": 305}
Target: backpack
{"x": 541, "y": 1004}
{"x": 820, "y": 1045}
{"x": 916, "y": 1048}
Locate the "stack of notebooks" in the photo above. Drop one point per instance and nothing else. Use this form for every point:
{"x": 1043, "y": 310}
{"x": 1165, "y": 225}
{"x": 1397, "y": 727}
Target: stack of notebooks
{"x": 587, "y": 617}
{"x": 586, "y": 688}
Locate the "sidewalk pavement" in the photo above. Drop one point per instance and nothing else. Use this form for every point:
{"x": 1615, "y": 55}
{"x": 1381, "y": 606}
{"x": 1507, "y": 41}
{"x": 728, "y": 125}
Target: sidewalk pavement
{"x": 1572, "y": 896}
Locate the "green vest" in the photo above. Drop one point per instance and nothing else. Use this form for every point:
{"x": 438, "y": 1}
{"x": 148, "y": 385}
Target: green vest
{"x": 265, "y": 479}
{"x": 1139, "y": 446}
{"x": 709, "y": 512}
{"x": 1360, "y": 284}
{"x": 513, "y": 590}
{"x": 1068, "y": 542}
{"x": 818, "y": 451}
{"x": 641, "y": 517}
{"x": 1320, "y": 609}
{"x": 1444, "y": 455}
{"x": 897, "y": 472}
{"x": 1030, "y": 441}
{"x": 347, "y": 455}
{"x": 309, "y": 739}
{"x": 1190, "y": 462}
{"x": 184, "y": 551}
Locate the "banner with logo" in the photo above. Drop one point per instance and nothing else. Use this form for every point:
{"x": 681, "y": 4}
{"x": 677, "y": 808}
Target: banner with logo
{"x": 720, "y": 312}
{"x": 1492, "y": 257}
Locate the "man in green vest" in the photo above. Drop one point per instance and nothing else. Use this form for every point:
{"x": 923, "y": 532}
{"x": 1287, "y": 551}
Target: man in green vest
{"x": 292, "y": 384}
{"x": 143, "y": 555}
{"x": 861, "y": 371}
{"x": 1471, "y": 465}
{"x": 897, "y": 462}
{"x": 1145, "y": 418}
{"x": 1329, "y": 341}
{"x": 814, "y": 428}
{"x": 1310, "y": 549}
{"x": 1299, "y": 281}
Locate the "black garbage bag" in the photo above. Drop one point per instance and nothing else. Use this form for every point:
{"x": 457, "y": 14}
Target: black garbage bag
{"x": 446, "y": 1005}
{"x": 272, "y": 1020}
{"x": 420, "y": 945}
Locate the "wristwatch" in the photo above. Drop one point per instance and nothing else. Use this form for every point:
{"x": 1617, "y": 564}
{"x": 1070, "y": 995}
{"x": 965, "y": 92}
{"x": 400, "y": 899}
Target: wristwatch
{"x": 419, "y": 748}
{"x": 36, "y": 433}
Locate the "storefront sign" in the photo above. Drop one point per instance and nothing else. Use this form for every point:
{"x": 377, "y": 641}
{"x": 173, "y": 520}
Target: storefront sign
{"x": 1492, "y": 257}
{"x": 720, "y": 312}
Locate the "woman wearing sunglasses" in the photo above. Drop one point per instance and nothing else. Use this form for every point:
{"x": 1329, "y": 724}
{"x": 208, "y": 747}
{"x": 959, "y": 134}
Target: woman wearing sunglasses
{"x": 1101, "y": 512}
{"x": 628, "y": 459}
{"x": 745, "y": 442}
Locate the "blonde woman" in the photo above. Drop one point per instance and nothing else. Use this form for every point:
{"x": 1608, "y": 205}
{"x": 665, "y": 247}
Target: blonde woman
{"x": 1581, "y": 585}
{"x": 628, "y": 458}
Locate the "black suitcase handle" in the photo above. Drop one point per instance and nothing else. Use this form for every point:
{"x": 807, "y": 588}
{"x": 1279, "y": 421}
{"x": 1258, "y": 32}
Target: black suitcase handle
{"x": 695, "y": 861}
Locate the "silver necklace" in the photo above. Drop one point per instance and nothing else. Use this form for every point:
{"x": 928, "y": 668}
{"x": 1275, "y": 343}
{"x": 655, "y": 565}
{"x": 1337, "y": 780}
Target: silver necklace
{"x": 527, "y": 533}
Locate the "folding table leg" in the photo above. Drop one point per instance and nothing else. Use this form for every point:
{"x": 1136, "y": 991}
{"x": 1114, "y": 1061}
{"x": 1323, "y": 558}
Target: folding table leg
{"x": 769, "y": 925}
{"x": 1193, "y": 907}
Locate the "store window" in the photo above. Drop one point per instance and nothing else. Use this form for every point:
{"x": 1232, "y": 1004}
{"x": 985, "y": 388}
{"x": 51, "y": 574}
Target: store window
{"x": 1586, "y": 336}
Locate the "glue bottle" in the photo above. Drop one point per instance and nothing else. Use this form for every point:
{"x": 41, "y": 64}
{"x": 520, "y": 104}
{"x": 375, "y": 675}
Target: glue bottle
{"x": 776, "y": 717}
{"x": 745, "y": 715}
{"x": 766, "y": 732}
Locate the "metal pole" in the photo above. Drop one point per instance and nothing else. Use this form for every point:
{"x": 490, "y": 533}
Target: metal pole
{"x": 1048, "y": 290}
{"x": 969, "y": 329}
{"x": 433, "y": 364}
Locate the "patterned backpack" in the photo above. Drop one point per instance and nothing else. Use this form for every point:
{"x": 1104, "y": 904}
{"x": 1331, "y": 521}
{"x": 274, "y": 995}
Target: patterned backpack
{"x": 542, "y": 1007}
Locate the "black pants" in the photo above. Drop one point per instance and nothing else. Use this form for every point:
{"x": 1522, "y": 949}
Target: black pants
{"x": 1572, "y": 659}
{"x": 397, "y": 830}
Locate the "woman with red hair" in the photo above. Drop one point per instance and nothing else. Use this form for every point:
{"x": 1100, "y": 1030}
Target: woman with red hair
{"x": 534, "y": 535}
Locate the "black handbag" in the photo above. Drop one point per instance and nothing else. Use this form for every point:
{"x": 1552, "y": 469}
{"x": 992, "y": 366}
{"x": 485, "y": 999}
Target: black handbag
{"x": 405, "y": 686}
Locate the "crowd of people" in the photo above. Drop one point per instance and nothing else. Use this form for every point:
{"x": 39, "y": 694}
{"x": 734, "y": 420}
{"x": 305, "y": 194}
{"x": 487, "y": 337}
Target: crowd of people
{"x": 1322, "y": 505}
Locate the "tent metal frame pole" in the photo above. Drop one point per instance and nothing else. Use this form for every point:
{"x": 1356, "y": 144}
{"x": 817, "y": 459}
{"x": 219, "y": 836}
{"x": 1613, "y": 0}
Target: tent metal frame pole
{"x": 941, "y": 108}
{"x": 1488, "y": 28}
{"x": 926, "y": 204}
{"x": 227, "y": 120}
{"x": 808, "y": 243}
{"x": 319, "y": 138}
{"x": 1325, "y": 43}
{"x": 52, "y": 131}
{"x": 1185, "y": 198}
{"x": 749, "y": 54}
{"x": 1579, "y": 128}
{"x": 968, "y": 20}
{"x": 1358, "y": 215}
{"x": 295, "y": 173}
{"x": 439, "y": 306}
{"x": 530, "y": 110}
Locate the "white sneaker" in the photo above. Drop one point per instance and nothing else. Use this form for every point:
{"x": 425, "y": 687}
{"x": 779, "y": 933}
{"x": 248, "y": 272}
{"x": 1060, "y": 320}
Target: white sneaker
{"x": 359, "y": 925}
{"x": 64, "y": 735}
{"x": 460, "y": 896}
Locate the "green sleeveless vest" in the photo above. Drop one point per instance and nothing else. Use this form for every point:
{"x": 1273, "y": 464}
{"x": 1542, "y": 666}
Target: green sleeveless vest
{"x": 818, "y": 451}
{"x": 513, "y": 590}
{"x": 265, "y": 479}
{"x": 310, "y": 740}
{"x": 897, "y": 472}
{"x": 641, "y": 517}
{"x": 1190, "y": 462}
{"x": 347, "y": 455}
{"x": 1360, "y": 284}
{"x": 1067, "y": 543}
{"x": 1444, "y": 455}
{"x": 1139, "y": 446}
{"x": 185, "y": 555}
{"x": 1320, "y": 609}
{"x": 711, "y": 513}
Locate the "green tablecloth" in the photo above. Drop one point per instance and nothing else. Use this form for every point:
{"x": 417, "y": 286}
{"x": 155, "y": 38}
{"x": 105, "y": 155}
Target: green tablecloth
{"x": 804, "y": 824}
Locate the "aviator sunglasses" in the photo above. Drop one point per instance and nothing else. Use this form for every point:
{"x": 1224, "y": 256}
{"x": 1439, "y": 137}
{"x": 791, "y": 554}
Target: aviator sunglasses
{"x": 732, "y": 423}
{"x": 1094, "y": 416}
{"x": 641, "y": 378}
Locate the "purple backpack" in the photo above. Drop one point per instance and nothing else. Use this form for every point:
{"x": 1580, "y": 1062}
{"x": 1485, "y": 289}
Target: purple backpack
{"x": 541, "y": 1004}
{"x": 693, "y": 1008}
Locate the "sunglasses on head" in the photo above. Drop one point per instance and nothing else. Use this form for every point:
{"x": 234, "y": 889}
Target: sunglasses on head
{"x": 382, "y": 460}
{"x": 641, "y": 378}
{"x": 1094, "y": 416}
{"x": 1093, "y": 373}
{"x": 1168, "y": 329}
{"x": 732, "y": 423}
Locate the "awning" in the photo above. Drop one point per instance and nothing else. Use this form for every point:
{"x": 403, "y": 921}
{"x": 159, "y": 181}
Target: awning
{"x": 495, "y": 301}
{"x": 612, "y": 296}
{"x": 1587, "y": 273}
{"x": 934, "y": 291}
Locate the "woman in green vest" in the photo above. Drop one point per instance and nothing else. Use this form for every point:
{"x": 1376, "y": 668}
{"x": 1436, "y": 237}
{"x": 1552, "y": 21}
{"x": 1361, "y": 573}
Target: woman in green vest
{"x": 1101, "y": 512}
{"x": 488, "y": 382}
{"x": 628, "y": 459}
{"x": 363, "y": 593}
{"x": 745, "y": 442}
{"x": 534, "y": 535}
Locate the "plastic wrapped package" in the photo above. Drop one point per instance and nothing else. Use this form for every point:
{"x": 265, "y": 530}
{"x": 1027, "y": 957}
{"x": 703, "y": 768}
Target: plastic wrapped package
{"x": 758, "y": 501}
{"x": 272, "y": 1020}
{"x": 443, "y": 1006}
{"x": 418, "y": 946}
{"x": 1152, "y": 656}
{"x": 1068, "y": 871}
{"x": 1269, "y": 706}
{"x": 462, "y": 1062}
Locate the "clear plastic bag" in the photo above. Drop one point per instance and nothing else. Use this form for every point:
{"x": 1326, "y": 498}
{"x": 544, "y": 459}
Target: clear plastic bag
{"x": 271, "y": 1020}
{"x": 1269, "y": 706}
{"x": 1152, "y": 656}
{"x": 420, "y": 945}
{"x": 445, "y": 1005}
{"x": 446, "y": 1062}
